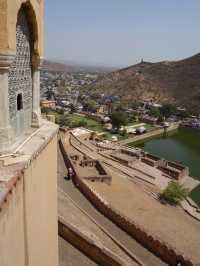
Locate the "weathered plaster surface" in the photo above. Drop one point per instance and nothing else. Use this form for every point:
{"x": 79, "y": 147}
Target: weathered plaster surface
{"x": 8, "y": 19}
{"x": 28, "y": 205}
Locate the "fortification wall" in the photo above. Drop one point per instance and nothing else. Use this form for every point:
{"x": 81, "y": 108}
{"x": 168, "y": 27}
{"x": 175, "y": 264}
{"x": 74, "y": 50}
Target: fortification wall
{"x": 91, "y": 247}
{"x": 146, "y": 238}
{"x": 28, "y": 212}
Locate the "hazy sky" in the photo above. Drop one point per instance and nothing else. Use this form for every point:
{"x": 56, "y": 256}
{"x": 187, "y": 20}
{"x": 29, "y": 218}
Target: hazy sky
{"x": 121, "y": 32}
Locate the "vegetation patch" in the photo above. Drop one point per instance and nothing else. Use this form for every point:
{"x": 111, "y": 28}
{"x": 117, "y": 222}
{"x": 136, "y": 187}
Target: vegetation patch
{"x": 174, "y": 193}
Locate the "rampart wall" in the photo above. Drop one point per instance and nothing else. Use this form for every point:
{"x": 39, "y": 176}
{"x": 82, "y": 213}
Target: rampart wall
{"x": 146, "y": 238}
{"x": 92, "y": 248}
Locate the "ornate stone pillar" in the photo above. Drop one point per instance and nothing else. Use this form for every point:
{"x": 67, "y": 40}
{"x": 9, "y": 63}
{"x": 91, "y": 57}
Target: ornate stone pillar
{"x": 6, "y": 134}
{"x": 36, "y": 114}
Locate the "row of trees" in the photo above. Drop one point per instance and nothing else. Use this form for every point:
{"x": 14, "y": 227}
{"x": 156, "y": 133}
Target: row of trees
{"x": 166, "y": 111}
{"x": 65, "y": 120}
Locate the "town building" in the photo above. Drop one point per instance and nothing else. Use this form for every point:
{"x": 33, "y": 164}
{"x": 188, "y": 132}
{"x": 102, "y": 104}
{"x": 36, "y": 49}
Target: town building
{"x": 48, "y": 104}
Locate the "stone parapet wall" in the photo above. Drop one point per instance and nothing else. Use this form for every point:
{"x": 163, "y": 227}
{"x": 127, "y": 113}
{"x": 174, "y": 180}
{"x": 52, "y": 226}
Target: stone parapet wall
{"x": 27, "y": 189}
{"x": 174, "y": 170}
{"x": 146, "y": 238}
{"x": 88, "y": 245}
{"x": 184, "y": 170}
{"x": 81, "y": 142}
{"x": 12, "y": 240}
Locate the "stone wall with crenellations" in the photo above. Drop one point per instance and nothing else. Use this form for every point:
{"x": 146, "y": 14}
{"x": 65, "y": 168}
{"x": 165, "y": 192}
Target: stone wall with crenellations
{"x": 162, "y": 249}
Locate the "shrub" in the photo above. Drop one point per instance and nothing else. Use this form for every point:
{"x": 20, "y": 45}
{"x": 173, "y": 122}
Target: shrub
{"x": 82, "y": 123}
{"x": 45, "y": 110}
{"x": 61, "y": 120}
{"x": 60, "y": 111}
{"x": 174, "y": 193}
{"x": 77, "y": 123}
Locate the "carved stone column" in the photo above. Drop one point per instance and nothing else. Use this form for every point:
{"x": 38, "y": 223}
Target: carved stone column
{"x": 6, "y": 134}
{"x": 36, "y": 114}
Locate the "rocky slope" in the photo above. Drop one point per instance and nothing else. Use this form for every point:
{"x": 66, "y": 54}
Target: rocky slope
{"x": 177, "y": 82}
{"x": 57, "y": 67}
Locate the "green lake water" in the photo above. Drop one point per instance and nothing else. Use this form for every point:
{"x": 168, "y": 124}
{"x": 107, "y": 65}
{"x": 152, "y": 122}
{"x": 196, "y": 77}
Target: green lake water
{"x": 183, "y": 146}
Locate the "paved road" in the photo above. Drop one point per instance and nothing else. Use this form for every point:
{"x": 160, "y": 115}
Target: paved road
{"x": 67, "y": 186}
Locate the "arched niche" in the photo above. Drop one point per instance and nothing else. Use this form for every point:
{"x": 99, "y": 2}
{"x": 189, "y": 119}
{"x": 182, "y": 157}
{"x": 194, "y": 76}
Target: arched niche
{"x": 33, "y": 26}
{"x": 14, "y": 122}
{"x": 23, "y": 81}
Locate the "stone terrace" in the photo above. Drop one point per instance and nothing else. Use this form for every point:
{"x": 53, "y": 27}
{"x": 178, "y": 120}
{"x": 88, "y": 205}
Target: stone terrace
{"x": 171, "y": 224}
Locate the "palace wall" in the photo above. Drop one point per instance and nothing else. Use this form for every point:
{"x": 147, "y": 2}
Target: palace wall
{"x": 28, "y": 216}
{"x": 8, "y": 20}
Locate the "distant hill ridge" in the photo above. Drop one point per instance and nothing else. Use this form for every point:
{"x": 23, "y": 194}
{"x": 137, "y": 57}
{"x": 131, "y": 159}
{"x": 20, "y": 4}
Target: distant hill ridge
{"x": 53, "y": 66}
{"x": 177, "y": 82}
{"x": 57, "y": 67}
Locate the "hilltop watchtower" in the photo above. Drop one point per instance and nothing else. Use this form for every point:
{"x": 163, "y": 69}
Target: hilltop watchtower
{"x": 21, "y": 49}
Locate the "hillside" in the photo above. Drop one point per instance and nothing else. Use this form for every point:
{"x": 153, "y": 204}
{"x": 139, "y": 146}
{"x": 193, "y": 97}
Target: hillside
{"x": 177, "y": 82}
{"x": 73, "y": 68}
{"x": 57, "y": 67}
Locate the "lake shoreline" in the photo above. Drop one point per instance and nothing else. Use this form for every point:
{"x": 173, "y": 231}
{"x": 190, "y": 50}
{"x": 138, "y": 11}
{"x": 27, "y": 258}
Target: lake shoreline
{"x": 151, "y": 134}
{"x": 180, "y": 145}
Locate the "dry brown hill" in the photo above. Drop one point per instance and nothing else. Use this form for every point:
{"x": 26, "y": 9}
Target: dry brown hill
{"x": 176, "y": 82}
{"x": 66, "y": 67}
{"x": 57, "y": 67}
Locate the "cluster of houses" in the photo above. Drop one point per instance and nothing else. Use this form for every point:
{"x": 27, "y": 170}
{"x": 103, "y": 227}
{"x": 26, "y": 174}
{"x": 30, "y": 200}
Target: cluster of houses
{"x": 192, "y": 122}
{"x": 60, "y": 89}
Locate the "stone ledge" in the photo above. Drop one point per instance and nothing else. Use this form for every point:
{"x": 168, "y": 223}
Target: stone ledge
{"x": 6, "y": 58}
{"x": 12, "y": 166}
{"x": 92, "y": 246}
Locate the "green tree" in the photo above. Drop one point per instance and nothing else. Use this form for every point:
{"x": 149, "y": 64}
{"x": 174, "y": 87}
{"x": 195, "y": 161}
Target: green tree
{"x": 77, "y": 123}
{"x": 174, "y": 193}
{"x": 161, "y": 119}
{"x": 45, "y": 110}
{"x": 61, "y": 120}
{"x": 73, "y": 109}
{"x": 119, "y": 107}
{"x": 154, "y": 111}
{"x": 90, "y": 105}
{"x": 135, "y": 105}
{"x": 167, "y": 110}
{"x": 184, "y": 114}
{"x": 119, "y": 119}
{"x": 60, "y": 111}
{"x": 82, "y": 123}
